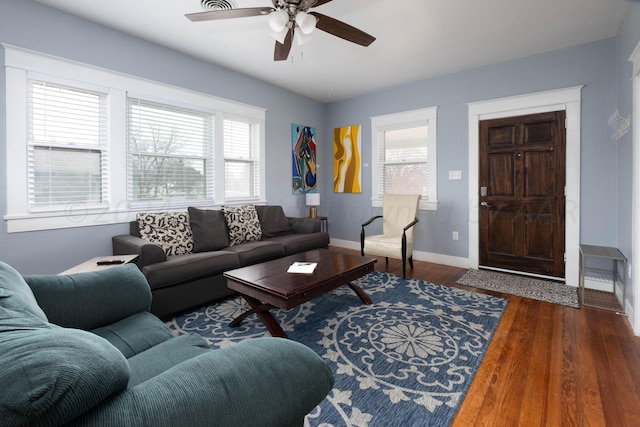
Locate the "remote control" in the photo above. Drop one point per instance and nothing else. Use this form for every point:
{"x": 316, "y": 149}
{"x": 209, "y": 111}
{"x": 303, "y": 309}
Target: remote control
{"x": 111, "y": 262}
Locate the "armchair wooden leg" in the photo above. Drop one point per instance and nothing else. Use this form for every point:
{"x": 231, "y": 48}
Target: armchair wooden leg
{"x": 404, "y": 266}
{"x": 411, "y": 261}
{"x": 386, "y": 260}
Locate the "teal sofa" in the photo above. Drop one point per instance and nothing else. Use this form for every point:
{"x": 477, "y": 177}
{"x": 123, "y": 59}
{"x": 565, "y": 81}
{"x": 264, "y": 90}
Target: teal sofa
{"x": 84, "y": 350}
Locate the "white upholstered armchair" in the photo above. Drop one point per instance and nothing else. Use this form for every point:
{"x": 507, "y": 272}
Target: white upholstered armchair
{"x": 396, "y": 241}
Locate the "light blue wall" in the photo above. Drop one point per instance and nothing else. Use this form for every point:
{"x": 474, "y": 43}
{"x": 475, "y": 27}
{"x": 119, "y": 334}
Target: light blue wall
{"x": 28, "y": 24}
{"x": 628, "y": 39}
{"x": 592, "y": 65}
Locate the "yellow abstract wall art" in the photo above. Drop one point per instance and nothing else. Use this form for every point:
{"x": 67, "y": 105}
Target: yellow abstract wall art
{"x": 347, "y": 163}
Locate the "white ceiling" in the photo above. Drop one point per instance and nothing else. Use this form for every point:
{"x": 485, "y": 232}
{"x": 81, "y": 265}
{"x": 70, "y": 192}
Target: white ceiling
{"x": 416, "y": 39}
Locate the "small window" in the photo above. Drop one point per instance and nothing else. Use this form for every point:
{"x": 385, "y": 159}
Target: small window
{"x": 404, "y": 156}
{"x": 241, "y": 160}
{"x": 67, "y": 147}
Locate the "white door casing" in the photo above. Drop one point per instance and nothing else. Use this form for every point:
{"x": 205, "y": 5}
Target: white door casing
{"x": 567, "y": 99}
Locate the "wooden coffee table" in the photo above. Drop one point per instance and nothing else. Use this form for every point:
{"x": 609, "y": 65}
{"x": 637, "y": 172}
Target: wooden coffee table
{"x": 267, "y": 285}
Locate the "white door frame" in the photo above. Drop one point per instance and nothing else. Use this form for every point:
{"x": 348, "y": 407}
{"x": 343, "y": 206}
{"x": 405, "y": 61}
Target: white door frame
{"x": 635, "y": 210}
{"x": 567, "y": 99}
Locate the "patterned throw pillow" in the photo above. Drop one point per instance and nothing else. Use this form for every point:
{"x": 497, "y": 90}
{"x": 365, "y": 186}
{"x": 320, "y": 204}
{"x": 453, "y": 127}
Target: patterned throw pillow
{"x": 243, "y": 224}
{"x": 171, "y": 230}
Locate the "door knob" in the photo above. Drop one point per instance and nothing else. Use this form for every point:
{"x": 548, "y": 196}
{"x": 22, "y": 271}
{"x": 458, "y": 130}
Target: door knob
{"x": 485, "y": 205}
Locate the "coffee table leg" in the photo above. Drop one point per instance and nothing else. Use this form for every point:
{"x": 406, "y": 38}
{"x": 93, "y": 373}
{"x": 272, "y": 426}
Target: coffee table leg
{"x": 262, "y": 311}
{"x": 363, "y": 296}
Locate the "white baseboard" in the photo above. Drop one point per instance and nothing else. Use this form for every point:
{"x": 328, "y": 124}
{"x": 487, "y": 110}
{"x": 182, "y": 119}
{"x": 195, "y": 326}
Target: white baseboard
{"x": 417, "y": 255}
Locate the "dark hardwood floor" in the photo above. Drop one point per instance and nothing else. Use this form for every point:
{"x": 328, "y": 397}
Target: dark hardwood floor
{"x": 547, "y": 365}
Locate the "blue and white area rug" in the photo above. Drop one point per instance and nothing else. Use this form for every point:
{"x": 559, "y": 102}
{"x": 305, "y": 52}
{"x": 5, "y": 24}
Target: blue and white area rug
{"x": 408, "y": 359}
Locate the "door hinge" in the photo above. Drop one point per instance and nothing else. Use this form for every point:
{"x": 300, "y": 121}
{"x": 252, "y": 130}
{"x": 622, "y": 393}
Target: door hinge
{"x": 565, "y": 191}
{"x": 566, "y": 122}
{"x": 565, "y": 257}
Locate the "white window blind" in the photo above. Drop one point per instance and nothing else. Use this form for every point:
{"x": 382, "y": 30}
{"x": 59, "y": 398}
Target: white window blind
{"x": 170, "y": 153}
{"x": 67, "y": 147}
{"x": 241, "y": 159}
{"x": 403, "y": 156}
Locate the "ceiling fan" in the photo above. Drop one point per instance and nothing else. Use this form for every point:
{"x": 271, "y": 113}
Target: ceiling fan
{"x": 285, "y": 17}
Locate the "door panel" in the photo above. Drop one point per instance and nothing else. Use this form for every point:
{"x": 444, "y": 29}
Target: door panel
{"x": 522, "y": 165}
{"x": 501, "y": 172}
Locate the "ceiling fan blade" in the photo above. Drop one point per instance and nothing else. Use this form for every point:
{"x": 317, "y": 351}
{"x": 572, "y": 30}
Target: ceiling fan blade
{"x": 321, "y": 2}
{"x": 306, "y": 4}
{"x": 213, "y": 15}
{"x": 281, "y": 51}
{"x": 342, "y": 30}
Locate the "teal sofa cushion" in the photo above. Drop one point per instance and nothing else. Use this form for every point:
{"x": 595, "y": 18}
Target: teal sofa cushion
{"x": 14, "y": 292}
{"x": 165, "y": 356}
{"x": 135, "y": 334}
{"x": 51, "y": 375}
{"x": 91, "y": 300}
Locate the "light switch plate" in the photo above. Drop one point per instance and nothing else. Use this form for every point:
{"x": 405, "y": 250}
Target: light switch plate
{"x": 455, "y": 175}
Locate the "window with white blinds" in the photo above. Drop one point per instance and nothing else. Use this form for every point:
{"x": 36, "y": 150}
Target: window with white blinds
{"x": 404, "y": 156}
{"x": 89, "y": 146}
{"x": 169, "y": 153}
{"x": 241, "y": 160}
{"x": 67, "y": 147}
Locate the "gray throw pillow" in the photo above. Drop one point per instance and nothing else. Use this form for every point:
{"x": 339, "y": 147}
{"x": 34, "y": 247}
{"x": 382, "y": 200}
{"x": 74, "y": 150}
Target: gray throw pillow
{"x": 243, "y": 224}
{"x": 209, "y": 228}
{"x": 273, "y": 221}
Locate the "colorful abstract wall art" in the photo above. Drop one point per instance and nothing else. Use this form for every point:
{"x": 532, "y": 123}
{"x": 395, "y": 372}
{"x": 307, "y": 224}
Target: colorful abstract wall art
{"x": 347, "y": 163}
{"x": 303, "y": 141}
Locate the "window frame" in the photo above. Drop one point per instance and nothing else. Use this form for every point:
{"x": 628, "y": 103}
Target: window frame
{"x": 22, "y": 65}
{"x": 406, "y": 119}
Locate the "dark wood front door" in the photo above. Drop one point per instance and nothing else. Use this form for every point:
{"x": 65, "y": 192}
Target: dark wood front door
{"x": 522, "y": 193}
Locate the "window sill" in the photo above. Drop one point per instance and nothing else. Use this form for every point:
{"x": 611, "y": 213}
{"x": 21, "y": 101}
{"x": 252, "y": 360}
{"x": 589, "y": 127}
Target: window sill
{"x": 92, "y": 218}
{"x": 424, "y": 205}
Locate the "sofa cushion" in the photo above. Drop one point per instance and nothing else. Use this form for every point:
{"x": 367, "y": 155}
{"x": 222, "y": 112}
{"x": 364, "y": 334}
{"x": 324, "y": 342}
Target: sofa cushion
{"x": 273, "y": 221}
{"x": 209, "y": 229}
{"x": 50, "y": 375}
{"x": 298, "y": 243}
{"x": 180, "y": 269}
{"x": 135, "y": 334}
{"x": 15, "y": 293}
{"x": 92, "y": 299}
{"x": 165, "y": 355}
{"x": 243, "y": 224}
{"x": 171, "y": 230}
{"x": 254, "y": 252}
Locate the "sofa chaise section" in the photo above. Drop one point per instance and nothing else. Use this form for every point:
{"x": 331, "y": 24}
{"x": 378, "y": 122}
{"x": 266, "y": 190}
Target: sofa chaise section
{"x": 83, "y": 350}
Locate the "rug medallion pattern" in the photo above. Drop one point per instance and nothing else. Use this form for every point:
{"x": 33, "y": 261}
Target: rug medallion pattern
{"x": 407, "y": 359}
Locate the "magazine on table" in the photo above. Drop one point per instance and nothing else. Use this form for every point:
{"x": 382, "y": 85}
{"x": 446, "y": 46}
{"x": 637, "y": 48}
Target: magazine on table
{"x": 302, "y": 267}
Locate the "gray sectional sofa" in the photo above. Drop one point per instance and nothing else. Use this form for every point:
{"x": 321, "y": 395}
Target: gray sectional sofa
{"x": 184, "y": 254}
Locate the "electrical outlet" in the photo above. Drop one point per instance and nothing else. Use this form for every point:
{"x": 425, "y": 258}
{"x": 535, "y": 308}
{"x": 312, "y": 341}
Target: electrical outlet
{"x": 455, "y": 235}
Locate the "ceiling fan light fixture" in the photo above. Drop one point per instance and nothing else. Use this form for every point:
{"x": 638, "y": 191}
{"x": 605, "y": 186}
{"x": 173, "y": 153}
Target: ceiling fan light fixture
{"x": 306, "y": 22}
{"x": 280, "y": 36}
{"x": 278, "y": 20}
{"x": 302, "y": 38}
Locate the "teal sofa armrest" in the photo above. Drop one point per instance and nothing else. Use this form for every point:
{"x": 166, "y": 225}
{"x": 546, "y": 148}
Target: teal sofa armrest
{"x": 305, "y": 225}
{"x": 91, "y": 300}
{"x": 148, "y": 253}
{"x": 258, "y": 382}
